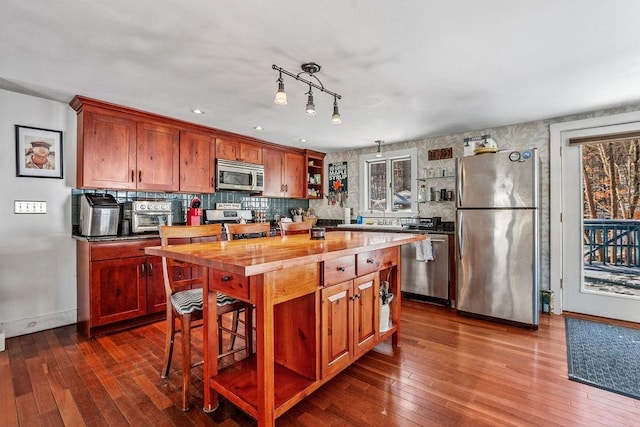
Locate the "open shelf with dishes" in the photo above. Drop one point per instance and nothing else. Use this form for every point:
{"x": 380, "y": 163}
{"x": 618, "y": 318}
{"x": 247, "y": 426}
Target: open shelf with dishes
{"x": 315, "y": 174}
{"x": 427, "y": 194}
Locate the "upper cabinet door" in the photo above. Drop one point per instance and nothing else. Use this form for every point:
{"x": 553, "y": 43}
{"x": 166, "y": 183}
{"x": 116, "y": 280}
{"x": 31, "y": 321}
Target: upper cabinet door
{"x": 273, "y": 161}
{"x": 295, "y": 173}
{"x": 158, "y": 158}
{"x": 106, "y": 151}
{"x": 250, "y": 153}
{"x": 231, "y": 149}
{"x": 196, "y": 162}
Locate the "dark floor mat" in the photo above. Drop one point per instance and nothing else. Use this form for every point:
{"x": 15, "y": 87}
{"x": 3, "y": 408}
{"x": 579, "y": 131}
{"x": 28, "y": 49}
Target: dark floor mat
{"x": 603, "y": 355}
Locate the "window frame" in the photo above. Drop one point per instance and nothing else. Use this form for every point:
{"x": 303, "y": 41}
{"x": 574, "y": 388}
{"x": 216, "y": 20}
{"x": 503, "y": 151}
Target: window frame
{"x": 387, "y": 157}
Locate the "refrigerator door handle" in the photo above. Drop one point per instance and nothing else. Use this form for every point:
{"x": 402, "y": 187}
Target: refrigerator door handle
{"x": 459, "y": 180}
{"x": 460, "y": 239}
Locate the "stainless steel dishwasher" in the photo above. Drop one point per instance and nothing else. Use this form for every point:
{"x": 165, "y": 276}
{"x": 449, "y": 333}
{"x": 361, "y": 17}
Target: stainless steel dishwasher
{"x": 427, "y": 280}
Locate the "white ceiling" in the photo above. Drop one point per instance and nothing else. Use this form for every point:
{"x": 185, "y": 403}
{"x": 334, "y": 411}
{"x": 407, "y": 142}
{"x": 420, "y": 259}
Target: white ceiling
{"x": 406, "y": 69}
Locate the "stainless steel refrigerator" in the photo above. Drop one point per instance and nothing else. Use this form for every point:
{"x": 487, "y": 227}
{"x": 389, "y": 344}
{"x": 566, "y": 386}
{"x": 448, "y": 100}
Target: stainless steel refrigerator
{"x": 497, "y": 236}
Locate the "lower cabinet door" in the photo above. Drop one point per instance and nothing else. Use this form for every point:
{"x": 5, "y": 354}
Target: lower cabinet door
{"x": 156, "y": 295}
{"x": 365, "y": 312}
{"x": 337, "y": 327}
{"x": 118, "y": 290}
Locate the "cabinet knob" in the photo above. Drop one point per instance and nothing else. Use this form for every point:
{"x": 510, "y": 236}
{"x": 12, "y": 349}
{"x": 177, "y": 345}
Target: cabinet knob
{"x": 226, "y": 278}
{"x": 369, "y": 261}
{"x": 341, "y": 269}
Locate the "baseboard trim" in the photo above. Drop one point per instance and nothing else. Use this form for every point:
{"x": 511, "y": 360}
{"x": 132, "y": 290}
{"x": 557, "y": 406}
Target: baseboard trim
{"x": 30, "y": 325}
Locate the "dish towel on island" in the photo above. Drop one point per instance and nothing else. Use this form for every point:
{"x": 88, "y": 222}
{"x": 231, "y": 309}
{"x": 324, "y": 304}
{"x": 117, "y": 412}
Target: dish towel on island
{"x": 424, "y": 250}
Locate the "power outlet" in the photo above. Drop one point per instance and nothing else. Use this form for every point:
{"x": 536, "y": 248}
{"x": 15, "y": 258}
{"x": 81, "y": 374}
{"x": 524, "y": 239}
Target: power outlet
{"x": 30, "y": 207}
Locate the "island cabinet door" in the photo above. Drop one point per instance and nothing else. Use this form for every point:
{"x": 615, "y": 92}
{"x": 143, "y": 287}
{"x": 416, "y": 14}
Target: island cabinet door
{"x": 365, "y": 312}
{"x": 118, "y": 290}
{"x": 337, "y": 327}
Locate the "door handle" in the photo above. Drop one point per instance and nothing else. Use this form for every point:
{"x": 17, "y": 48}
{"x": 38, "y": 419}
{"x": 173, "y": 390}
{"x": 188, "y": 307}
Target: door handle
{"x": 460, "y": 239}
{"x": 150, "y": 270}
{"x": 142, "y": 270}
{"x": 459, "y": 181}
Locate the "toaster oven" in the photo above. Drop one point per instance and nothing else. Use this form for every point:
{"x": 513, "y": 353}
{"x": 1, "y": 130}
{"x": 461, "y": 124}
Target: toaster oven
{"x": 148, "y": 215}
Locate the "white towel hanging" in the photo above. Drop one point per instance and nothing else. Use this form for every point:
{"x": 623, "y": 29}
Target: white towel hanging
{"x": 428, "y": 250}
{"x": 424, "y": 250}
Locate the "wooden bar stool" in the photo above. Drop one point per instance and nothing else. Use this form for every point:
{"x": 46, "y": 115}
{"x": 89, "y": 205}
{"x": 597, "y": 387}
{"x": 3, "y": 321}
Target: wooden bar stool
{"x": 303, "y": 227}
{"x": 183, "y": 287}
{"x": 243, "y": 231}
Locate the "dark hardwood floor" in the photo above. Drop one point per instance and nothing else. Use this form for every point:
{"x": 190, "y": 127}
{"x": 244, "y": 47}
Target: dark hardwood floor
{"x": 450, "y": 370}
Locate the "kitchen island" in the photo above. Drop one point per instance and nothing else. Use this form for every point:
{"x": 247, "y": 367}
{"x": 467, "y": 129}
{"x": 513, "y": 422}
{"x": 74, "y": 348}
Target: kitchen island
{"x": 317, "y": 308}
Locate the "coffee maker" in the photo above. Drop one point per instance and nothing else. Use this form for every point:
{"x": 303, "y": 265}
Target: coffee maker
{"x": 194, "y": 213}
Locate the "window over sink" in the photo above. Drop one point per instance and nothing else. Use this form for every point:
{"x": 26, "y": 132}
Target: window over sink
{"x": 389, "y": 182}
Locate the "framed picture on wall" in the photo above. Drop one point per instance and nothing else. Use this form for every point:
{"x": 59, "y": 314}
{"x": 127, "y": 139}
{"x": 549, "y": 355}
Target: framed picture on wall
{"x": 38, "y": 152}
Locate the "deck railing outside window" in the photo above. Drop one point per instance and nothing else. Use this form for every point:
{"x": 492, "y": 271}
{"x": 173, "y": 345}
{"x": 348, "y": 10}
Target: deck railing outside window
{"x": 612, "y": 242}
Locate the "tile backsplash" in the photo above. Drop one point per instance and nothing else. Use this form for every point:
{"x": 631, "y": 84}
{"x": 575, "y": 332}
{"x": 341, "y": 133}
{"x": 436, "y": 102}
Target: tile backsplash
{"x": 181, "y": 202}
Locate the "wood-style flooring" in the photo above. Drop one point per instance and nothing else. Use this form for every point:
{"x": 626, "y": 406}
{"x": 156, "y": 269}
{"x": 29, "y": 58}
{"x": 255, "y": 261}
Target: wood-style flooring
{"x": 450, "y": 371}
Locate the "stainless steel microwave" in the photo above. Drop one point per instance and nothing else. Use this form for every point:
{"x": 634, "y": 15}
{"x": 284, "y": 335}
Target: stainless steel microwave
{"x": 241, "y": 176}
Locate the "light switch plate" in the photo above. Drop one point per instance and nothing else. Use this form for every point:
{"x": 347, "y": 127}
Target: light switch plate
{"x": 30, "y": 207}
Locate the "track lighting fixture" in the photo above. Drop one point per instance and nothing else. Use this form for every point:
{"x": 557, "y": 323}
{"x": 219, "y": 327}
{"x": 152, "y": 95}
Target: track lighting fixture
{"x": 379, "y": 154}
{"x": 309, "y": 68}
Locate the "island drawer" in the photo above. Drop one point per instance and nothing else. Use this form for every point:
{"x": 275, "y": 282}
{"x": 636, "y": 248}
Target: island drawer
{"x": 380, "y": 259}
{"x": 339, "y": 270}
{"x": 230, "y": 284}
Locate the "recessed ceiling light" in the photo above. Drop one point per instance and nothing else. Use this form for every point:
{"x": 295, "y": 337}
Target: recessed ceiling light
{"x": 302, "y": 140}
{"x": 197, "y": 111}
{"x": 258, "y": 127}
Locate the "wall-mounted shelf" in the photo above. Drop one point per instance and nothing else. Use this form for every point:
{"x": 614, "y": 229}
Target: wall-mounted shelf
{"x": 315, "y": 174}
{"x": 436, "y": 177}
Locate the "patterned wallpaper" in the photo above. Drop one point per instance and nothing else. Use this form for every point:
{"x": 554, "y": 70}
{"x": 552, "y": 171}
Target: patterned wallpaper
{"x": 517, "y": 137}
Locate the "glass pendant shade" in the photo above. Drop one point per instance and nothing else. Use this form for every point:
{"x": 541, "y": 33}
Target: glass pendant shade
{"x": 281, "y": 96}
{"x": 311, "y": 107}
{"x": 336, "y": 119}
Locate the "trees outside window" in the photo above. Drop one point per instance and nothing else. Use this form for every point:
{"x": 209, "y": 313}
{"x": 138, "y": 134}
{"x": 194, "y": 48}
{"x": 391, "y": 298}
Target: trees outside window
{"x": 611, "y": 179}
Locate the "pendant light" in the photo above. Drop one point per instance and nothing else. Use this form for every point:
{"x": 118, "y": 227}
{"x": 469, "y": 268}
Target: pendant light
{"x": 311, "y": 107}
{"x": 379, "y": 154}
{"x": 336, "y": 119}
{"x": 281, "y": 96}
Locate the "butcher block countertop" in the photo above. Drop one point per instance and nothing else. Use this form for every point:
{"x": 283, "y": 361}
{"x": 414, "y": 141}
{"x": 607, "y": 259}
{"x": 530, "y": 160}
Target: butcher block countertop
{"x": 257, "y": 256}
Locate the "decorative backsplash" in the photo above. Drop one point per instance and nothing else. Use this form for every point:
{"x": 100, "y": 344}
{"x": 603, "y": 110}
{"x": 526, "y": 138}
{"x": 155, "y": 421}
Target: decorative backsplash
{"x": 181, "y": 202}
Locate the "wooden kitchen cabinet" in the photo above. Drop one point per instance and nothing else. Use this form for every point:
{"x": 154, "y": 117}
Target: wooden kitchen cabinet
{"x": 196, "y": 162}
{"x": 157, "y": 160}
{"x": 106, "y": 150}
{"x": 233, "y": 149}
{"x": 349, "y": 328}
{"x": 284, "y": 174}
{"x": 119, "y": 148}
{"x": 118, "y": 286}
{"x": 119, "y": 151}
